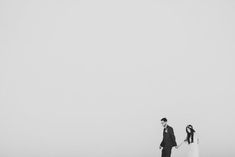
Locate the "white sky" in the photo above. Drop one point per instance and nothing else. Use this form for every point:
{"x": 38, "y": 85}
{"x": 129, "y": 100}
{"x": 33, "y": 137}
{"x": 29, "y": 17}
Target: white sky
{"x": 94, "y": 78}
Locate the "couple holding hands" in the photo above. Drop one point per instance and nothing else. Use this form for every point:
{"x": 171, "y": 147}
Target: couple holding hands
{"x": 169, "y": 140}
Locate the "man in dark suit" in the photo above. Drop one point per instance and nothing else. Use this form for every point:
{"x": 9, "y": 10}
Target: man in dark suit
{"x": 168, "y": 139}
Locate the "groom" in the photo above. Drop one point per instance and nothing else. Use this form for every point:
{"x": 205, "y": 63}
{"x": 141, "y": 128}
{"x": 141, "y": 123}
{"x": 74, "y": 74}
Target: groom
{"x": 168, "y": 139}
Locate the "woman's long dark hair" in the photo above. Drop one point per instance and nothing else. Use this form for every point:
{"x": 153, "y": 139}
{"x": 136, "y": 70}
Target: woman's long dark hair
{"x": 190, "y": 135}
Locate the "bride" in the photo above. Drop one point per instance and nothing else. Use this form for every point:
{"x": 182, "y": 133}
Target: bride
{"x": 192, "y": 141}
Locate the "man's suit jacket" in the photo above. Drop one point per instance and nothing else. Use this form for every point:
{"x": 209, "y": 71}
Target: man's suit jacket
{"x": 168, "y": 138}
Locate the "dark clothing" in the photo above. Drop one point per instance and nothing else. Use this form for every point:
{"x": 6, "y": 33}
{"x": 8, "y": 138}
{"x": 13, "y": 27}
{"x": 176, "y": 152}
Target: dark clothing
{"x": 166, "y": 152}
{"x": 168, "y": 141}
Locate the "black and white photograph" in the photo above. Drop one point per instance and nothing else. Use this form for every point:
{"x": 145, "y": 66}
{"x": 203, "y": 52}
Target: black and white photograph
{"x": 117, "y": 78}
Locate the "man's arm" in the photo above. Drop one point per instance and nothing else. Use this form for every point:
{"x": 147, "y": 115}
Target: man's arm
{"x": 162, "y": 144}
{"x": 171, "y": 131}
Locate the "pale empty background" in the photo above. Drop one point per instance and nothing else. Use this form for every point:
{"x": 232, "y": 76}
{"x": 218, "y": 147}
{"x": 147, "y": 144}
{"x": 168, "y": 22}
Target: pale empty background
{"x": 93, "y": 78}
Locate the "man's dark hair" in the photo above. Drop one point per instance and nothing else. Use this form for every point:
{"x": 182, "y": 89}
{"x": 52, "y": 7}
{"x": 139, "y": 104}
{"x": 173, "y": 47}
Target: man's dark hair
{"x": 164, "y": 119}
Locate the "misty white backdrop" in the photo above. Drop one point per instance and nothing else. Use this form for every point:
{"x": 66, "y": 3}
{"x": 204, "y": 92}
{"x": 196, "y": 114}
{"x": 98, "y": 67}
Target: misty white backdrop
{"x": 94, "y": 78}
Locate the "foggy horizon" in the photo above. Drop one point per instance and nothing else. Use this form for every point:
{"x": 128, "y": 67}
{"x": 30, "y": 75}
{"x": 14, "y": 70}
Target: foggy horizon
{"x": 94, "y": 78}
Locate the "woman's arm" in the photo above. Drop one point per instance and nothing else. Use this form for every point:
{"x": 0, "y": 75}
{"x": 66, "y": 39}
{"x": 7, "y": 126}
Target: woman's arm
{"x": 184, "y": 141}
{"x": 180, "y": 144}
